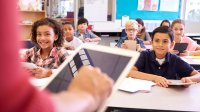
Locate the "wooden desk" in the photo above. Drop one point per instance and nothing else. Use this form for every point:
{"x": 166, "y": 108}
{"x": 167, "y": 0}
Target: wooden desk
{"x": 160, "y": 98}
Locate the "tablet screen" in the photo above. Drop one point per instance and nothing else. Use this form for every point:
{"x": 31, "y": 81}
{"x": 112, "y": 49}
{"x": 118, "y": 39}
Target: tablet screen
{"x": 181, "y": 47}
{"x": 112, "y": 64}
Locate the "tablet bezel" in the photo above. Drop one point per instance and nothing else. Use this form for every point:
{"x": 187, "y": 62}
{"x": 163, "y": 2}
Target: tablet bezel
{"x": 181, "y": 47}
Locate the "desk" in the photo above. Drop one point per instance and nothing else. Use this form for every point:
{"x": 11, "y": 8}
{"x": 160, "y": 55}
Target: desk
{"x": 149, "y": 47}
{"x": 197, "y": 39}
{"x": 160, "y": 98}
{"x": 41, "y": 83}
{"x": 193, "y": 61}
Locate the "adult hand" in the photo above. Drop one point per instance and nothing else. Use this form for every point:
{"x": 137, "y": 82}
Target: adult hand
{"x": 93, "y": 82}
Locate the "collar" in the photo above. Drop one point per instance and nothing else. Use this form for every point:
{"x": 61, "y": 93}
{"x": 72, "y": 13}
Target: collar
{"x": 53, "y": 52}
{"x": 153, "y": 57}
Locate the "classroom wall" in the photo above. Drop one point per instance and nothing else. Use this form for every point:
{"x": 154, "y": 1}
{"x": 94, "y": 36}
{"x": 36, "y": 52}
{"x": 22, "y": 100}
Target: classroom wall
{"x": 115, "y": 25}
{"x": 130, "y": 8}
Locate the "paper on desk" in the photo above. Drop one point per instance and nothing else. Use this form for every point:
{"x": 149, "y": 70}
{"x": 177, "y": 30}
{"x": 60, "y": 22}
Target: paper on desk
{"x": 134, "y": 85}
{"x": 39, "y": 82}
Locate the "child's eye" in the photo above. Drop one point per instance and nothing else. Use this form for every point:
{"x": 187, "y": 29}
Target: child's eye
{"x": 38, "y": 34}
{"x": 156, "y": 40}
{"x": 165, "y": 41}
{"x": 176, "y": 29}
{"x": 47, "y": 34}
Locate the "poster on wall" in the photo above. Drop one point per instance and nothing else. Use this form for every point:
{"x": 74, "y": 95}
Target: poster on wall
{"x": 167, "y": 5}
{"x": 148, "y": 5}
{"x": 192, "y": 12}
{"x": 96, "y": 10}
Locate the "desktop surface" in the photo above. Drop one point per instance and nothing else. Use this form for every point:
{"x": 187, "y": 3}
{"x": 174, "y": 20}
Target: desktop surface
{"x": 159, "y": 98}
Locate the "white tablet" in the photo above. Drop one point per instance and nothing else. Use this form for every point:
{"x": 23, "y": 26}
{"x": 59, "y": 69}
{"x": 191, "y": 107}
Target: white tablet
{"x": 179, "y": 83}
{"x": 115, "y": 62}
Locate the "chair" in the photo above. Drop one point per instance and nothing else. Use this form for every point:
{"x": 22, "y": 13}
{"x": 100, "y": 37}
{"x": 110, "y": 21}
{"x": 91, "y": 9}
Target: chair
{"x": 27, "y": 44}
{"x": 123, "y": 35}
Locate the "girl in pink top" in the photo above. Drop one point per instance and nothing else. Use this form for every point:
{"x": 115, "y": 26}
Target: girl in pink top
{"x": 178, "y": 27}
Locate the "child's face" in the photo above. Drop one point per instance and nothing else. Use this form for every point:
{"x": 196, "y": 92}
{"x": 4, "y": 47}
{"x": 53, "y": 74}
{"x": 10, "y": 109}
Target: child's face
{"x": 140, "y": 27}
{"x": 82, "y": 26}
{"x": 68, "y": 32}
{"x": 46, "y": 37}
{"x": 178, "y": 30}
{"x": 131, "y": 32}
{"x": 161, "y": 44}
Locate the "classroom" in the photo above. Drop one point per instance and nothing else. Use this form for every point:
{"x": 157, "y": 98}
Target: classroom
{"x": 101, "y": 55}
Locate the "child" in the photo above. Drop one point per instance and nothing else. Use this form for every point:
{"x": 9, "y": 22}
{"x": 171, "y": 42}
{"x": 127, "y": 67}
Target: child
{"x": 178, "y": 27}
{"x": 71, "y": 42}
{"x": 47, "y": 35}
{"x": 142, "y": 34}
{"x": 131, "y": 28}
{"x": 84, "y": 34}
{"x": 165, "y": 23}
{"x": 159, "y": 65}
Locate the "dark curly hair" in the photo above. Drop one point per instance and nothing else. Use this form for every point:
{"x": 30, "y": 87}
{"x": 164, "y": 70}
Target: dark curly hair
{"x": 52, "y": 23}
{"x": 83, "y": 20}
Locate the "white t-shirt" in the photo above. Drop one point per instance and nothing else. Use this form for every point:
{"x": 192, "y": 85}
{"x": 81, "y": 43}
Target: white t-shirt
{"x": 75, "y": 42}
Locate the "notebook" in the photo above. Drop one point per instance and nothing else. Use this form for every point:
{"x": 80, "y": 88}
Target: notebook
{"x": 114, "y": 61}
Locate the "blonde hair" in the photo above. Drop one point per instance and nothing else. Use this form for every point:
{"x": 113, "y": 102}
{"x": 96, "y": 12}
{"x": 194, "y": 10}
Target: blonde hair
{"x": 132, "y": 23}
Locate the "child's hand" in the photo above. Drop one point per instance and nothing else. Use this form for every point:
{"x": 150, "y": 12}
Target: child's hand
{"x": 124, "y": 46}
{"x": 186, "y": 80}
{"x": 42, "y": 73}
{"x": 174, "y": 51}
{"x": 138, "y": 48}
{"x": 88, "y": 40}
{"x": 161, "y": 81}
{"x": 185, "y": 53}
{"x": 68, "y": 47}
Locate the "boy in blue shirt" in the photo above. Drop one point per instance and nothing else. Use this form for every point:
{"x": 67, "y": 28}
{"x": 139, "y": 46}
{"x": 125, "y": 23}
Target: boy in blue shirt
{"x": 131, "y": 29}
{"x": 159, "y": 65}
{"x": 84, "y": 34}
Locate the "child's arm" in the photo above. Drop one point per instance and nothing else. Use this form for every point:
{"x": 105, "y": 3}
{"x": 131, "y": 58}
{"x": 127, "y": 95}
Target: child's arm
{"x": 95, "y": 39}
{"x": 160, "y": 81}
{"x": 194, "y": 77}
